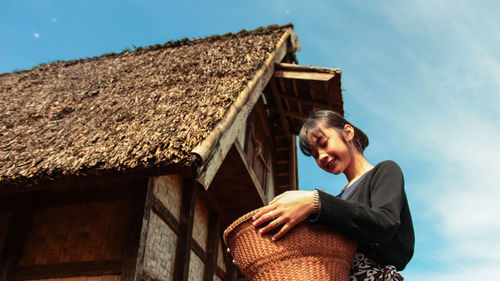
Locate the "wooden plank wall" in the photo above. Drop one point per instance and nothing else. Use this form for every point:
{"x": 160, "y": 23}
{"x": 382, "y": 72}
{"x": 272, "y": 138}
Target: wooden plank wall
{"x": 161, "y": 230}
{"x": 74, "y": 234}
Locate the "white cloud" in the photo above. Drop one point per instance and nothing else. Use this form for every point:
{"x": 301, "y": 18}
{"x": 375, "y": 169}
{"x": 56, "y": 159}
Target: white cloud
{"x": 36, "y": 35}
{"x": 455, "y": 125}
{"x": 54, "y": 20}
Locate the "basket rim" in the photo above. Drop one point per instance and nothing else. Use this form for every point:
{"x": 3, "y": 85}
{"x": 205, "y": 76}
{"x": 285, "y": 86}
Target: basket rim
{"x": 237, "y": 222}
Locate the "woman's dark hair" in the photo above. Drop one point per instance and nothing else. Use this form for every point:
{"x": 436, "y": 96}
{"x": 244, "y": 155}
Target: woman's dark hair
{"x": 328, "y": 119}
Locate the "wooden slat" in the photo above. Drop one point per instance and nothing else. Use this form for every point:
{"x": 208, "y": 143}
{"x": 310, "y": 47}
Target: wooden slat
{"x": 282, "y": 162}
{"x": 183, "y": 250}
{"x": 91, "y": 268}
{"x": 286, "y": 74}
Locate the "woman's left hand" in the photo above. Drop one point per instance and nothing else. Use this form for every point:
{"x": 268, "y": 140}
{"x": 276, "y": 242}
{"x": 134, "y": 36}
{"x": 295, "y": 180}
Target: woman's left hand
{"x": 285, "y": 211}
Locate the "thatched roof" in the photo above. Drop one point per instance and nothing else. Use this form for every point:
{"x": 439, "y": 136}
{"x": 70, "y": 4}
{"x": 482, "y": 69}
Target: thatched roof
{"x": 118, "y": 112}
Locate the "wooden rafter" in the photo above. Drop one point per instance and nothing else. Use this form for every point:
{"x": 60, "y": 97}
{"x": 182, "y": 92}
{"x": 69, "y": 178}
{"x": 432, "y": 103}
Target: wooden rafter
{"x": 300, "y": 100}
{"x": 293, "y": 115}
{"x": 296, "y": 93}
{"x": 279, "y": 105}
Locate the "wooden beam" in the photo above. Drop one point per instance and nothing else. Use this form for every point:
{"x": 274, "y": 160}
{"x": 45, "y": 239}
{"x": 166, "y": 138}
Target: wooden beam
{"x": 183, "y": 250}
{"x": 61, "y": 270}
{"x": 126, "y": 189}
{"x": 19, "y": 226}
{"x": 84, "y": 181}
{"x": 198, "y": 250}
{"x": 139, "y": 267}
{"x": 279, "y": 105}
{"x": 165, "y": 214}
{"x": 249, "y": 170}
{"x": 286, "y": 74}
{"x": 306, "y": 68}
{"x": 212, "y": 246}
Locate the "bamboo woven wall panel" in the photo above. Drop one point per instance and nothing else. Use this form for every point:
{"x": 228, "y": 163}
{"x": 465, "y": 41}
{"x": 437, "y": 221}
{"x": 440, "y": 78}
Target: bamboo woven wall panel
{"x": 84, "y": 278}
{"x": 4, "y": 227}
{"x": 169, "y": 190}
{"x": 196, "y": 268}
{"x": 81, "y": 232}
{"x": 160, "y": 248}
{"x": 200, "y": 224}
{"x": 220, "y": 257}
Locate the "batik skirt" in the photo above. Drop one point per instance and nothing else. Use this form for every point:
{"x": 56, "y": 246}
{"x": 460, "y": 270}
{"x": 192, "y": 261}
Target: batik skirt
{"x": 365, "y": 269}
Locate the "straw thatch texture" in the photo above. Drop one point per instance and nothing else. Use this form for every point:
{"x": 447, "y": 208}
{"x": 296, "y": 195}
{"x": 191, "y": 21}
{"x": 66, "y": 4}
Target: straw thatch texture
{"x": 134, "y": 110}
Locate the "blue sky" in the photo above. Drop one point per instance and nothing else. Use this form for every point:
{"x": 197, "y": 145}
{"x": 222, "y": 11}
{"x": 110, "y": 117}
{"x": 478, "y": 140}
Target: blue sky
{"x": 421, "y": 79}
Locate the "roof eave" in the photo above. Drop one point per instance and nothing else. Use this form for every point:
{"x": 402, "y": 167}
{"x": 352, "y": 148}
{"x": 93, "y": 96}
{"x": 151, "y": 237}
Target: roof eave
{"x": 213, "y": 149}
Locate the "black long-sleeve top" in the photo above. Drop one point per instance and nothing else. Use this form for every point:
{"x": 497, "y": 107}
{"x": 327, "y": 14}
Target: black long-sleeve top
{"x": 375, "y": 214}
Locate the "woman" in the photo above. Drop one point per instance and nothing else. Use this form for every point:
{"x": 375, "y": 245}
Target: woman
{"x": 371, "y": 209}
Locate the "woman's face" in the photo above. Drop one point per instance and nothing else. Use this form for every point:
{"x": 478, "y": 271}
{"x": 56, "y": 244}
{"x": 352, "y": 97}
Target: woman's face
{"x": 330, "y": 150}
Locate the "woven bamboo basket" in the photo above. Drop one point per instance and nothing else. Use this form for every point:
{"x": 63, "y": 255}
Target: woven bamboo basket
{"x": 307, "y": 252}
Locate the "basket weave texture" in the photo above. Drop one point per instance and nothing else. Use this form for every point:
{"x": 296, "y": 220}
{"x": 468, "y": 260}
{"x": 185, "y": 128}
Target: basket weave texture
{"x": 307, "y": 252}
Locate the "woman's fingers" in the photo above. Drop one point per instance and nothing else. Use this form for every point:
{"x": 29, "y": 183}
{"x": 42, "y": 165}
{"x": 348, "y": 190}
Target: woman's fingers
{"x": 272, "y": 225}
{"x": 266, "y": 214}
{"x": 282, "y": 231}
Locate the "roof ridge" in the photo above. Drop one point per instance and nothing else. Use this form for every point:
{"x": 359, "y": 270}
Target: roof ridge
{"x": 169, "y": 44}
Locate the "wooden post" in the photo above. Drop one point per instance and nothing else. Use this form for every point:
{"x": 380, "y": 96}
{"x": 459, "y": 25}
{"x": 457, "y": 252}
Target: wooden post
{"x": 183, "y": 251}
{"x": 212, "y": 246}
{"x": 19, "y": 226}
{"x": 137, "y": 276}
{"x": 130, "y": 266}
